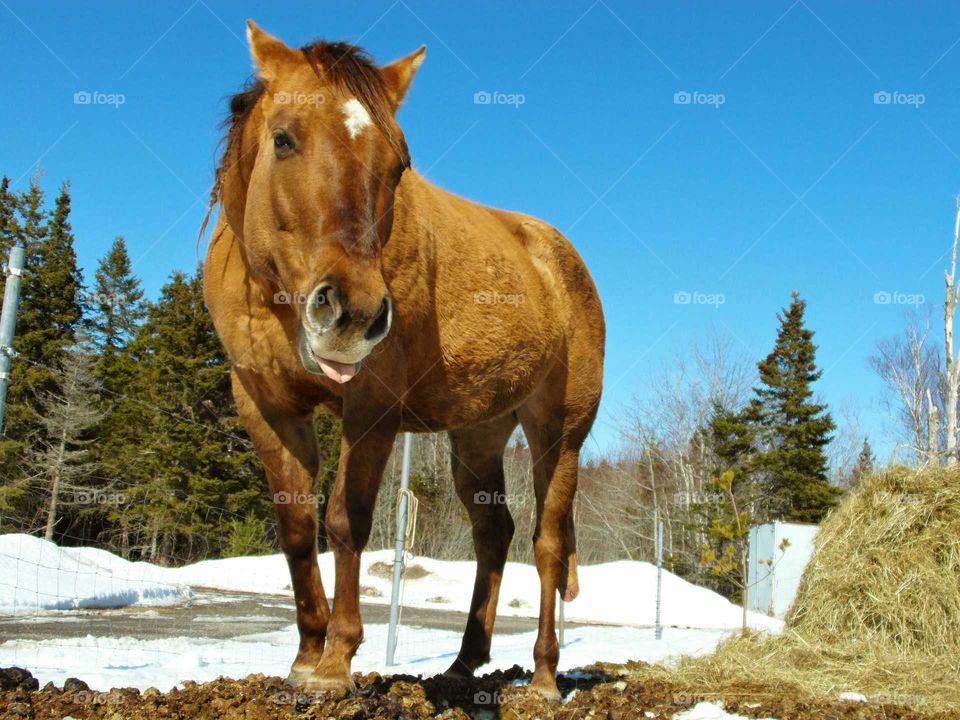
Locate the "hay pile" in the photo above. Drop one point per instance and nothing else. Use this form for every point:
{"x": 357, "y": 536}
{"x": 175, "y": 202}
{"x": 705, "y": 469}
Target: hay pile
{"x": 878, "y": 610}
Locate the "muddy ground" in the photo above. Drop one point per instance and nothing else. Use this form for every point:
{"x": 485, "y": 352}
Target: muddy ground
{"x": 594, "y": 692}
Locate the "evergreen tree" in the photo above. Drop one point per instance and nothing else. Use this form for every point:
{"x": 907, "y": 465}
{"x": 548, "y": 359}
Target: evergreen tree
{"x": 27, "y": 227}
{"x": 188, "y": 465}
{"x": 50, "y": 308}
{"x": 866, "y": 463}
{"x": 792, "y": 428}
{"x": 730, "y": 499}
{"x": 9, "y": 228}
{"x": 117, "y": 304}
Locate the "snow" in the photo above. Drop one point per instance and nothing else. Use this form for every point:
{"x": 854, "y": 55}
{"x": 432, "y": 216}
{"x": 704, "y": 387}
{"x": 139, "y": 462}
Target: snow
{"x": 707, "y": 711}
{"x": 37, "y": 575}
{"x": 853, "y": 697}
{"x": 106, "y": 662}
{"x": 37, "y": 578}
{"x": 620, "y": 592}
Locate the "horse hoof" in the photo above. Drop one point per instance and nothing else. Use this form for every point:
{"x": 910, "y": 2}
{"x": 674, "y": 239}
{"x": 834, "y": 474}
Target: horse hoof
{"x": 458, "y": 671}
{"x": 550, "y": 693}
{"x": 298, "y": 676}
{"x": 334, "y": 687}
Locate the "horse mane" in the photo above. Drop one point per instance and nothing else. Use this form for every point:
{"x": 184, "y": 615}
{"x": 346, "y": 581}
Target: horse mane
{"x": 349, "y": 68}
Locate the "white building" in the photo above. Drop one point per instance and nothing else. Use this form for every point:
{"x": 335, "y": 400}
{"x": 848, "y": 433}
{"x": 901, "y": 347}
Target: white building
{"x": 774, "y": 570}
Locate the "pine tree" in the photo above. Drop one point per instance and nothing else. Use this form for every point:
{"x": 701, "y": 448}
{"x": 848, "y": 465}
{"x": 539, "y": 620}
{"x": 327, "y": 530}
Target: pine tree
{"x": 866, "y": 463}
{"x": 730, "y": 500}
{"x": 26, "y": 226}
{"x": 188, "y": 465}
{"x": 9, "y": 228}
{"x": 117, "y": 305}
{"x": 50, "y": 308}
{"x": 792, "y": 428}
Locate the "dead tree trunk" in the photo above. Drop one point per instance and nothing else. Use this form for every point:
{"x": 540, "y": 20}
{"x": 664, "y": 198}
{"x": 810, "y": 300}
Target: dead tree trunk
{"x": 933, "y": 430}
{"x": 952, "y": 370}
{"x": 55, "y": 487}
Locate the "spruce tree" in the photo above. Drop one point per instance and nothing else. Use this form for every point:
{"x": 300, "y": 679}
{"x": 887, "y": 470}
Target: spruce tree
{"x": 865, "y": 465}
{"x": 187, "y": 462}
{"x": 729, "y": 502}
{"x": 793, "y": 429}
{"x": 29, "y": 229}
{"x": 50, "y": 305}
{"x": 117, "y": 304}
{"x": 9, "y": 229}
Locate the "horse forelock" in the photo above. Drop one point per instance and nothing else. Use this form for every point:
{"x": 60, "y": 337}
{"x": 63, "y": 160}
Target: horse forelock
{"x": 354, "y": 73}
{"x": 347, "y": 67}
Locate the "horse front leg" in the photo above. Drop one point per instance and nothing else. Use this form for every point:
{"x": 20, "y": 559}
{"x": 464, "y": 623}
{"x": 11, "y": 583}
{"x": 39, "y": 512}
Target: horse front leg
{"x": 287, "y": 444}
{"x": 364, "y": 451}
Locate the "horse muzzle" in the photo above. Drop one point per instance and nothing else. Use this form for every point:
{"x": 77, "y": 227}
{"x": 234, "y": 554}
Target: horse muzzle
{"x": 336, "y": 334}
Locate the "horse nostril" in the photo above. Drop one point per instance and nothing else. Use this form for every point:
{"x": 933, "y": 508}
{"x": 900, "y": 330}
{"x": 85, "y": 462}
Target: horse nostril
{"x": 381, "y": 323}
{"x": 323, "y": 306}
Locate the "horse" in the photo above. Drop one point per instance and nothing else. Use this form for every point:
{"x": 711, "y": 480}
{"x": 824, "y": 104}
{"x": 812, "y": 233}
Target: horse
{"x": 340, "y": 280}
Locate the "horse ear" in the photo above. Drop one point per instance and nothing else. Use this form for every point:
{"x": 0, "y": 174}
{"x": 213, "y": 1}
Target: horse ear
{"x": 268, "y": 52}
{"x": 399, "y": 74}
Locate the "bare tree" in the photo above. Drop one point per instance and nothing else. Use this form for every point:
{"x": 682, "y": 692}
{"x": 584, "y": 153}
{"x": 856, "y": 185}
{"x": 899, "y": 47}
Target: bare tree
{"x": 952, "y": 368}
{"x": 909, "y": 366}
{"x": 61, "y": 456}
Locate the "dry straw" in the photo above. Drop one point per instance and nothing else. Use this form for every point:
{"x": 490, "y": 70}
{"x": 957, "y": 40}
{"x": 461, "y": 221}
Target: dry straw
{"x": 878, "y": 610}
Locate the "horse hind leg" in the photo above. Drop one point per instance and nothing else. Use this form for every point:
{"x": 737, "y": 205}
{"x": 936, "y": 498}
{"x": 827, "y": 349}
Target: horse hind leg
{"x": 477, "y": 464}
{"x": 555, "y": 431}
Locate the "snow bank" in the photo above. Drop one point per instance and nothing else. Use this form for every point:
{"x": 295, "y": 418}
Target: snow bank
{"x": 38, "y": 575}
{"x": 616, "y": 593}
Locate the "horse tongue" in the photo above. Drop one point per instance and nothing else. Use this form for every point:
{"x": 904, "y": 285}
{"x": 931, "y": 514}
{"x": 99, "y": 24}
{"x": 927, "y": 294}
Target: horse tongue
{"x": 337, "y": 371}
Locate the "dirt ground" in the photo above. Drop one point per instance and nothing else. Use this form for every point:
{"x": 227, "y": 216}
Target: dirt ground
{"x": 595, "y": 692}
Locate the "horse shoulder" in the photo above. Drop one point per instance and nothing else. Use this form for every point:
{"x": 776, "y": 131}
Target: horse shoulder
{"x": 251, "y": 327}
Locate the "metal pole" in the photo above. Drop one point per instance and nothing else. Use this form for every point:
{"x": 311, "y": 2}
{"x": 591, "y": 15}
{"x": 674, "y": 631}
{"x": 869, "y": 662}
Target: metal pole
{"x": 8, "y": 321}
{"x": 560, "y": 621}
{"x": 398, "y": 549}
{"x": 659, "y": 627}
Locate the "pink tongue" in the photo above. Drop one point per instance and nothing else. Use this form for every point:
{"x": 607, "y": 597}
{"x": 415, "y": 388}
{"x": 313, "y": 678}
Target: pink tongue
{"x": 337, "y": 371}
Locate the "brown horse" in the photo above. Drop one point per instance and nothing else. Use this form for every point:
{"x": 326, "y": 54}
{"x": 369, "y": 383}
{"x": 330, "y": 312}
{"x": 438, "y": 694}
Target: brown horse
{"x": 339, "y": 278}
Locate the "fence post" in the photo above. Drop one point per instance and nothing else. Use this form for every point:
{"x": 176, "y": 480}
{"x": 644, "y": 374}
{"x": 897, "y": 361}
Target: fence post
{"x": 8, "y": 321}
{"x": 398, "y": 549}
{"x": 560, "y": 621}
{"x": 659, "y": 627}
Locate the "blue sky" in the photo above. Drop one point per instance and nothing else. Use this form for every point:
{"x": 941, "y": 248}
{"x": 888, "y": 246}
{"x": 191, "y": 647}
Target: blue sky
{"x": 784, "y": 170}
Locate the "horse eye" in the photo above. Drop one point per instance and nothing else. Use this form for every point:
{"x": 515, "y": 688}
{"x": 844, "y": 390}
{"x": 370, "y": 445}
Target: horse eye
{"x": 282, "y": 143}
